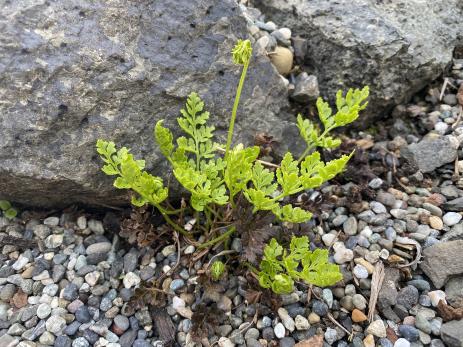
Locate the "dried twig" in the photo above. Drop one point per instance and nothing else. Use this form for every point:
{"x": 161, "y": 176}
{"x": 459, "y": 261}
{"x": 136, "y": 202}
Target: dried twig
{"x": 350, "y": 333}
{"x": 408, "y": 241}
{"x": 376, "y": 283}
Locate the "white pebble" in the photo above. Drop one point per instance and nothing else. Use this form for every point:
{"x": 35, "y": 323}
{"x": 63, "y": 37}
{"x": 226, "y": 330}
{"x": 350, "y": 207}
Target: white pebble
{"x": 279, "y": 331}
{"x": 402, "y": 343}
{"x": 286, "y": 33}
{"x": 131, "y": 280}
{"x": 451, "y": 218}
{"x": 328, "y": 239}
{"x": 360, "y": 271}
{"x": 436, "y": 296}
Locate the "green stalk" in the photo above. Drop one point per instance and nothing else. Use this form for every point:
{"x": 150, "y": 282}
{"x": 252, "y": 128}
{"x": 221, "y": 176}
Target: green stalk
{"x": 235, "y": 107}
{"x": 218, "y": 239}
{"x": 169, "y": 221}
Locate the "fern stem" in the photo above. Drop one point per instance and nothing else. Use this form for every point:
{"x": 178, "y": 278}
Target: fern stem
{"x": 218, "y": 239}
{"x": 235, "y": 107}
{"x": 171, "y": 222}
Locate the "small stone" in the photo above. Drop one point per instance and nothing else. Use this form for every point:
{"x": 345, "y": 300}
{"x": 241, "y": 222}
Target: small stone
{"x": 279, "y": 330}
{"x": 168, "y": 250}
{"x": 402, "y": 343}
{"x": 306, "y": 88}
{"x": 225, "y": 342}
{"x": 177, "y": 284}
{"x": 8, "y": 341}
{"x": 436, "y": 223}
{"x": 451, "y": 218}
{"x": 287, "y": 321}
{"x": 120, "y": 324}
{"x": 47, "y": 339}
{"x": 369, "y": 341}
{"x": 375, "y": 183}
{"x": 314, "y": 318}
{"x": 82, "y": 222}
{"x": 436, "y": 296}
{"x": 331, "y": 335}
{"x": 92, "y": 278}
{"x": 343, "y": 255}
{"x": 350, "y": 226}
{"x": 360, "y": 271}
{"x": 83, "y": 314}
{"x": 408, "y": 297}
{"x": 328, "y": 239}
{"x": 320, "y": 308}
{"x": 409, "y": 332}
{"x": 189, "y": 249}
{"x": 131, "y": 280}
{"x": 80, "y": 342}
{"x": 282, "y": 58}
{"x": 96, "y": 226}
{"x": 377, "y": 328}
{"x": 358, "y": 316}
{"x": 43, "y": 311}
{"x": 359, "y": 301}
{"x": 55, "y": 324}
{"x": 51, "y": 221}
{"x": 99, "y": 247}
{"x": 54, "y": 241}
{"x": 301, "y": 323}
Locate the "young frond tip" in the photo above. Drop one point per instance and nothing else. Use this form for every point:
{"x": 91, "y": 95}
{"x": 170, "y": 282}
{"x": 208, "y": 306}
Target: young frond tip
{"x": 242, "y": 52}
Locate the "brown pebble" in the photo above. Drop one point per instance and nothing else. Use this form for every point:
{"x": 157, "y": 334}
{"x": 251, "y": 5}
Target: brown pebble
{"x": 358, "y": 316}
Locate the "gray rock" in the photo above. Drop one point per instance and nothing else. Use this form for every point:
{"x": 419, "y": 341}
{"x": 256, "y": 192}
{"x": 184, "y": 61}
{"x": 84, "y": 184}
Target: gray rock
{"x": 306, "y": 88}
{"x": 8, "y": 341}
{"x": 454, "y": 291}
{"x": 80, "y": 342}
{"x": 452, "y": 333}
{"x": 55, "y": 324}
{"x": 408, "y": 297}
{"x": 63, "y": 341}
{"x": 127, "y": 339}
{"x": 97, "y": 69}
{"x": 430, "y": 153}
{"x": 454, "y": 205}
{"x": 350, "y": 41}
{"x": 443, "y": 260}
{"x": 387, "y": 296}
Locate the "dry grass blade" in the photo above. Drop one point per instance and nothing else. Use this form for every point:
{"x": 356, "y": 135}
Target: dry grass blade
{"x": 376, "y": 283}
{"x": 403, "y": 241}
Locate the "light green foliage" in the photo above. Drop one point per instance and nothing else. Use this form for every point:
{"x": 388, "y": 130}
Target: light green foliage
{"x": 217, "y": 270}
{"x": 214, "y": 179}
{"x": 242, "y": 52}
{"x": 150, "y": 189}
{"x": 8, "y": 211}
{"x": 279, "y": 269}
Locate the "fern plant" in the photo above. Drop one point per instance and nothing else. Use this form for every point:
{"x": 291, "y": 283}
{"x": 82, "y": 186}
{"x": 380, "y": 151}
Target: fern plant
{"x": 8, "y": 211}
{"x": 215, "y": 175}
{"x": 279, "y": 269}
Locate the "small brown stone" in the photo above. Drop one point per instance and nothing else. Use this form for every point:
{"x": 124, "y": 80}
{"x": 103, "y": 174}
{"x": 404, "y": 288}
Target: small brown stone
{"x": 19, "y": 300}
{"x": 282, "y": 58}
{"x": 358, "y": 316}
{"x": 314, "y": 341}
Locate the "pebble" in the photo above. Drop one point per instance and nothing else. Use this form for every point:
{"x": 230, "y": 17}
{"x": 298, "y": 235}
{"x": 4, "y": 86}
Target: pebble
{"x": 436, "y": 296}
{"x": 360, "y": 271}
{"x": 279, "y": 330}
{"x": 331, "y": 335}
{"x": 43, "y": 311}
{"x": 286, "y": 319}
{"x": 282, "y": 58}
{"x": 301, "y": 323}
{"x": 55, "y": 324}
{"x": 401, "y": 342}
{"x": 98, "y": 248}
{"x": 377, "y": 328}
{"x": 131, "y": 280}
{"x": 358, "y": 316}
{"x": 409, "y": 332}
{"x": 451, "y": 218}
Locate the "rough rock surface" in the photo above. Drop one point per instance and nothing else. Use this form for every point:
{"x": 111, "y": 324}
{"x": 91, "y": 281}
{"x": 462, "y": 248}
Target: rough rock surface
{"x": 431, "y": 152}
{"x": 443, "y": 260}
{"x": 396, "y": 47}
{"x": 73, "y": 72}
{"x": 452, "y": 333}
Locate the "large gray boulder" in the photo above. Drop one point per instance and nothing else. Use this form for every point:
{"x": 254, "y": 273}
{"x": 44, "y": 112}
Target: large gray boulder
{"x": 395, "y": 46}
{"x": 73, "y": 71}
